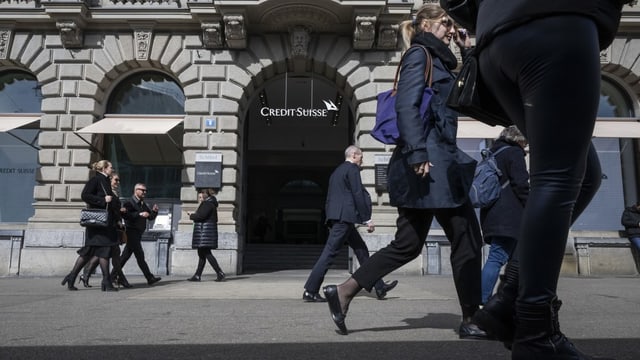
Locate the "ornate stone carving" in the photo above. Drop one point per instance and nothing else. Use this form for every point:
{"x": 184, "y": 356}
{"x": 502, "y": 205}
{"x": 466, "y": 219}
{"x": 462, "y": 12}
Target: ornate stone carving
{"x": 388, "y": 36}
{"x": 235, "y": 32}
{"x": 5, "y": 41}
{"x": 71, "y": 34}
{"x": 212, "y": 35}
{"x": 364, "y": 32}
{"x": 142, "y": 38}
{"x": 299, "y": 37}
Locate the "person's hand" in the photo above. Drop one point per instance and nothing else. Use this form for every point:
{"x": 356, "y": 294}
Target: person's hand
{"x": 462, "y": 38}
{"x": 144, "y": 214}
{"x": 123, "y": 210}
{"x": 422, "y": 169}
{"x": 371, "y": 227}
{"x": 108, "y": 198}
{"x": 155, "y": 208}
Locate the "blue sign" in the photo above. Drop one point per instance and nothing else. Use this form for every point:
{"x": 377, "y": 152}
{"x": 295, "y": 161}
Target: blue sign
{"x": 210, "y": 123}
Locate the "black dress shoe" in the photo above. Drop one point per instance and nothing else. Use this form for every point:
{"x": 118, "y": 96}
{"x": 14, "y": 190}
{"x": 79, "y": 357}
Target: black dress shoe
{"x": 312, "y": 297}
{"x": 469, "y": 330}
{"x": 331, "y": 294}
{"x": 385, "y": 289}
{"x": 154, "y": 279}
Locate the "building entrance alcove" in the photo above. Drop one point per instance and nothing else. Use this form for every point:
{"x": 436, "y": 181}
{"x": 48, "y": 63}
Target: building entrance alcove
{"x": 298, "y": 127}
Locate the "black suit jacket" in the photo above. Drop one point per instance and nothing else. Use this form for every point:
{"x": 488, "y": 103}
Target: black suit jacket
{"x": 132, "y": 217}
{"x": 347, "y": 199}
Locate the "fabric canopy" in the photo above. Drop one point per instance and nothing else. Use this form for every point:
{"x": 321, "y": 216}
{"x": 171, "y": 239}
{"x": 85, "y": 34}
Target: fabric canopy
{"x": 132, "y": 125}
{"x": 14, "y": 122}
{"x": 605, "y": 128}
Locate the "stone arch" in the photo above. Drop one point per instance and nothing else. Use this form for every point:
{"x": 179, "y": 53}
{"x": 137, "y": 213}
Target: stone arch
{"x": 622, "y": 62}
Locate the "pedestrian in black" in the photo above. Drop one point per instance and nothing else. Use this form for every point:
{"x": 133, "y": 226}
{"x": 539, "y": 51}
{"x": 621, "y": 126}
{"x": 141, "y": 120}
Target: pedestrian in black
{"x": 348, "y": 203}
{"x": 500, "y": 222}
{"x": 428, "y": 176}
{"x": 553, "y": 99}
{"x": 205, "y": 233}
{"x": 99, "y": 240}
{"x": 137, "y": 214}
{"x": 631, "y": 221}
{"x": 89, "y": 269}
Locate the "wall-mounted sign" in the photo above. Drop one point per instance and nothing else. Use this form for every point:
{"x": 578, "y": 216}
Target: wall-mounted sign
{"x": 381, "y": 163}
{"x": 208, "y": 170}
{"x": 210, "y": 124}
{"x": 299, "y": 111}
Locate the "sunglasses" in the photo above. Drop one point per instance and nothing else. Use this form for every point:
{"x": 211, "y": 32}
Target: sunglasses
{"x": 143, "y": 190}
{"x": 116, "y": 180}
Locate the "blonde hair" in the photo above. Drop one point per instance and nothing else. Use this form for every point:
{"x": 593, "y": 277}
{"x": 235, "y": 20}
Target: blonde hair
{"x": 409, "y": 28}
{"x": 100, "y": 165}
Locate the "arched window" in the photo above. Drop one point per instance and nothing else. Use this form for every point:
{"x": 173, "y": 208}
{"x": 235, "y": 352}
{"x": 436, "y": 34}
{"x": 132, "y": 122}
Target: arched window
{"x": 20, "y": 93}
{"x": 20, "y": 97}
{"x": 153, "y": 159}
{"x": 614, "y": 102}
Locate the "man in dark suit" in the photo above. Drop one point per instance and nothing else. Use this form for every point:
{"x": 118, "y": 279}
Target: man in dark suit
{"x": 348, "y": 203}
{"x": 136, "y": 216}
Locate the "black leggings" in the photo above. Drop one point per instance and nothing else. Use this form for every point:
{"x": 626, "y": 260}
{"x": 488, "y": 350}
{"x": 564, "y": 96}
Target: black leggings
{"x": 546, "y": 74}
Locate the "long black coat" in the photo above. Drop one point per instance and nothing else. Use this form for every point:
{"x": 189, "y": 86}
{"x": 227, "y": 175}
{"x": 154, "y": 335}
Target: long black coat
{"x": 449, "y": 180}
{"x": 503, "y": 218}
{"x": 93, "y": 194}
{"x": 347, "y": 199}
{"x": 205, "y": 225}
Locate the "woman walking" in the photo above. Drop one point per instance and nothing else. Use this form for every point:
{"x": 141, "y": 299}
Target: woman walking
{"x": 428, "y": 175}
{"x": 99, "y": 241}
{"x": 205, "y": 233}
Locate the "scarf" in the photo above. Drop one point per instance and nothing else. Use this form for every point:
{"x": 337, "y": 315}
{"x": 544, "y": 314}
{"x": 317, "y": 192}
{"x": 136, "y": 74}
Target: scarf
{"x": 437, "y": 48}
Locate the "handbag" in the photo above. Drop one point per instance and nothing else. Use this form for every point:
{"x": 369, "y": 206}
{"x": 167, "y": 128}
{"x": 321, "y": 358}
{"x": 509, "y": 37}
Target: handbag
{"x": 386, "y": 127}
{"x": 122, "y": 236}
{"x": 469, "y": 96}
{"x": 94, "y": 217}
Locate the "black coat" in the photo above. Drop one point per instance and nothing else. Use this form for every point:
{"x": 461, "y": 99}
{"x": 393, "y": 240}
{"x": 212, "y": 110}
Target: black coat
{"x": 503, "y": 218}
{"x": 496, "y": 16}
{"x": 347, "y": 199}
{"x": 631, "y": 220}
{"x": 132, "y": 217}
{"x": 93, "y": 194}
{"x": 205, "y": 225}
{"x": 449, "y": 180}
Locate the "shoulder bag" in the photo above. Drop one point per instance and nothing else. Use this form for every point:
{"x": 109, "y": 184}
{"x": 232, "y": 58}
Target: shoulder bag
{"x": 95, "y": 217}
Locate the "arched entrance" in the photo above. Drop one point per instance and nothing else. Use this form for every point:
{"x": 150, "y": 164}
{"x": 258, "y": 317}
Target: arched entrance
{"x": 297, "y": 127}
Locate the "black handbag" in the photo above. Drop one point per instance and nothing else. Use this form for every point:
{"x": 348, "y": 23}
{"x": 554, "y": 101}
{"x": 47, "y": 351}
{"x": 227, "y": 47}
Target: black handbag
{"x": 470, "y": 97}
{"x": 94, "y": 217}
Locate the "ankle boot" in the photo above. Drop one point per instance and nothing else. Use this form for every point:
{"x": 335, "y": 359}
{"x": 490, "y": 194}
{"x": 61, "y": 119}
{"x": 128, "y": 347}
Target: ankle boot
{"x": 121, "y": 280}
{"x": 106, "y": 283}
{"x": 199, "y": 269}
{"x": 214, "y": 264}
{"x": 497, "y": 316}
{"x": 538, "y": 334}
{"x": 69, "y": 280}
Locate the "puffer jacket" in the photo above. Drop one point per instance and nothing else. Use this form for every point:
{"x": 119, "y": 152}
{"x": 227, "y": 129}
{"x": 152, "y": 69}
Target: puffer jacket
{"x": 496, "y": 16}
{"x": 631, "y": 220}
{"x": 205, "y": 225}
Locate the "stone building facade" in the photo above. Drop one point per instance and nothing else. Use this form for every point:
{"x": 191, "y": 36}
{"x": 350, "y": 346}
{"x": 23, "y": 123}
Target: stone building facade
{"x": 231, "y": 60}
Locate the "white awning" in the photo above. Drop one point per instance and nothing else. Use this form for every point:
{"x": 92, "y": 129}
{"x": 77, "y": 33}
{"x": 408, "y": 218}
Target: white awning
{"x": 144, "y": 125}
{"x": 604, "y": 128}
{"x": 474, "y": 129}
{"x": 617, "y": 129}
{"x": 13, "y": 122}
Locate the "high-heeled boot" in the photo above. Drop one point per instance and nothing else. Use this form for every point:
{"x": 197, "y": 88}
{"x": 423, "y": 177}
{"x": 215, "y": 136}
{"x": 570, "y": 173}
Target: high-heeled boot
{"x": 538, "y": 334}
{"x": 214, "y": 264}
{"x": 121, "y": 280}
{"x": 199, "y": 269}
{"x": 107, "y": 285}
{"x": 69, "y": 280}
{"x": 497, "y": 316}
